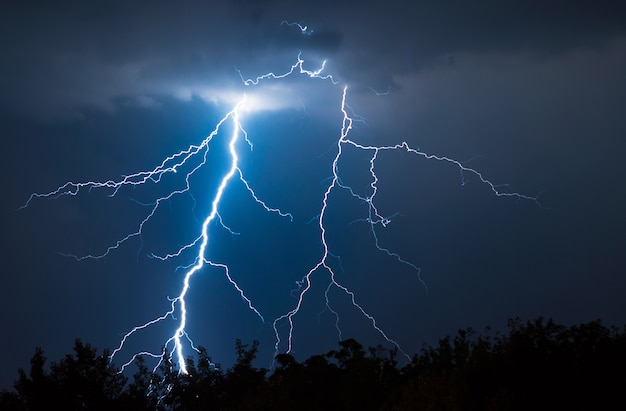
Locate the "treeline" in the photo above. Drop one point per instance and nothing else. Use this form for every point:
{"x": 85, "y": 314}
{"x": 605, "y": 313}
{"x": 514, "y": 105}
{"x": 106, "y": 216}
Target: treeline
{"x": 534, "y": 365}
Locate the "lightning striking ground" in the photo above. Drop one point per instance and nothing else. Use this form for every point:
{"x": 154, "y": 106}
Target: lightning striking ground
{"x": 172, "y": 164}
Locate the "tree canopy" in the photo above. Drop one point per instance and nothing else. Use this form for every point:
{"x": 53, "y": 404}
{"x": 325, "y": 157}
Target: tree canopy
{"x": 536, "y": 364}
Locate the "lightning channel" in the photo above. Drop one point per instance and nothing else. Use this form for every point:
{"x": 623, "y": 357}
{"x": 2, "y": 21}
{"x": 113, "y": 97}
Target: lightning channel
{"x": 172, "y": 164}
{"x": 303, "y": 28}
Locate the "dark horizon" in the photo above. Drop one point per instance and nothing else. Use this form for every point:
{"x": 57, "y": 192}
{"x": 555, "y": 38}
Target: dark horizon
{"x": 575, "y": 367}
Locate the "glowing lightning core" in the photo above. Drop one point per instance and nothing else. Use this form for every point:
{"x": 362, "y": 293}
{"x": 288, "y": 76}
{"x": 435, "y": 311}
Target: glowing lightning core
{"x": 180, "y": 331}
{"x": 175, "y": 162}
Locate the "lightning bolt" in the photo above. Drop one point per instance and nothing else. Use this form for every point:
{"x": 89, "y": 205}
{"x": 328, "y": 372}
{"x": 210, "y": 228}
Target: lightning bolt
{"x": 172, "y": 164}
{"x": 303, "y": 29}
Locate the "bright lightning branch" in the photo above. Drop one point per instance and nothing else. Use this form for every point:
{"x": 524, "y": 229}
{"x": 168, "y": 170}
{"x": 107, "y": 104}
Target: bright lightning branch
{"x": 197, "y": 154}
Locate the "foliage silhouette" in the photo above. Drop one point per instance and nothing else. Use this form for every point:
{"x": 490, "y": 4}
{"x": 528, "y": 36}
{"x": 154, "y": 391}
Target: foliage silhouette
{"x": 536, "y": 364}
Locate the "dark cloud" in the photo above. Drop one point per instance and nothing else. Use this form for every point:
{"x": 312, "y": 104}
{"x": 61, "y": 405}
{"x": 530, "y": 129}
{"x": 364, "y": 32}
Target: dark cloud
{"x": 89, "y": 53}
{"x": 423, "y": 34}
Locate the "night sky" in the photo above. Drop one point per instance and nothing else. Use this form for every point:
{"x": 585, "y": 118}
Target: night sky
{"x": 532, "y": 94}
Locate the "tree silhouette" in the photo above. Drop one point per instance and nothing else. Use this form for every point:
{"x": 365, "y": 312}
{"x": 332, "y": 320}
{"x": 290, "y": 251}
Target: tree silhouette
{"x": 535, "y": 365}
{"x": 80, "y": 381}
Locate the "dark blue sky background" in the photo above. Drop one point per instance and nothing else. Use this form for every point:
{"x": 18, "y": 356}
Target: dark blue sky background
{"x": 531, "y": 94}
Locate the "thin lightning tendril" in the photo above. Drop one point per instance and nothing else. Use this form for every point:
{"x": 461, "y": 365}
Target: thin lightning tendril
{"x": 303, "y": 29}
{"x": 171, "y": 165}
